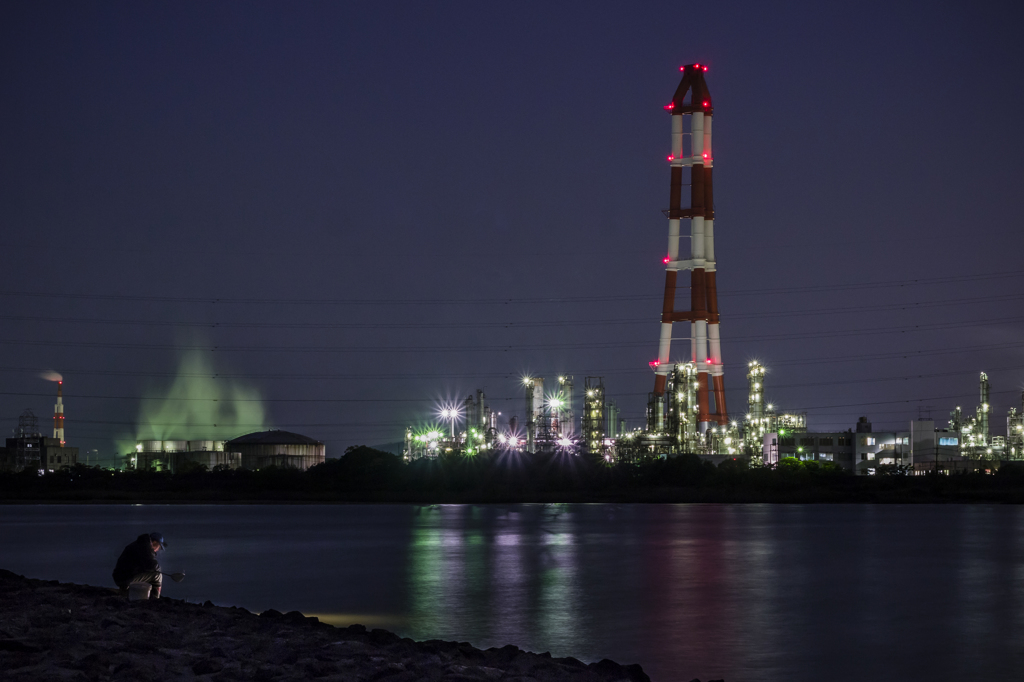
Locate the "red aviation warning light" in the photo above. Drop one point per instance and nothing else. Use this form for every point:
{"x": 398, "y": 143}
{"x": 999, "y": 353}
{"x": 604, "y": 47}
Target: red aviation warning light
{"x": 666, "y": 260}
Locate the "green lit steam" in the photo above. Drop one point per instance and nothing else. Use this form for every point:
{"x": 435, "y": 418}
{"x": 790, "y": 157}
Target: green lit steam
{"x": 198, "y": 406}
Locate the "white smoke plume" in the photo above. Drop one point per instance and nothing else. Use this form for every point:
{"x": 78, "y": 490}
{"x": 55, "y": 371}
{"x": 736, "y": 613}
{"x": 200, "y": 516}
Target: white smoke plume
{"x": 198, "y": 405}
{"x": 52, "y": 376}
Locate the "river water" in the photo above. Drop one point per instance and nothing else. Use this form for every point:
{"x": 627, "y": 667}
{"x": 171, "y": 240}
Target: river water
{"x": 740, "y": 592}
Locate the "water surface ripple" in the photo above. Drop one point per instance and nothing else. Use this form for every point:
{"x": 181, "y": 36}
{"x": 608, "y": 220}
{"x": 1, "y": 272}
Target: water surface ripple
{"x": 740, "y": 592}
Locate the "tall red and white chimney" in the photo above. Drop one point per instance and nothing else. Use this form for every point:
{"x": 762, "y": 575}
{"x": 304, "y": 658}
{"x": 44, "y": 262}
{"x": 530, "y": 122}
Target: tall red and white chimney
{"x": 58, "y": 414}
{"x": 693, "y": 99}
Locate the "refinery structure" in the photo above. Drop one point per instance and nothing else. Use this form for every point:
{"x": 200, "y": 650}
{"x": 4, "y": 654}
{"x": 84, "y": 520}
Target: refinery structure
{"x": 764, "y": 436}
{"x": 258, "y": 450}
{"x": 686, "y": 412}
{"x": 30, "y": 450}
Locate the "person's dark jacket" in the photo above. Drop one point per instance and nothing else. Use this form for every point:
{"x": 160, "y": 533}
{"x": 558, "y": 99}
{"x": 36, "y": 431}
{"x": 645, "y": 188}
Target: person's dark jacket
{"x": 136, "y": 558}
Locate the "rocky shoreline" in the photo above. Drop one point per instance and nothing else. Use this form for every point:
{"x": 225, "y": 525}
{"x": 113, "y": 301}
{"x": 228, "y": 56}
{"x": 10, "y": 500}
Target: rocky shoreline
{"x": 62, "y": 631}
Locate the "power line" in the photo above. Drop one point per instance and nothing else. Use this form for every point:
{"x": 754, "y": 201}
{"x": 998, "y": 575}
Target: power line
{"x": 323, "y": 376}
{"x": 504, "y": 300}
{"x": 835, "y": 382}
{"x": 499, "y": 325}
{"x": 502, "y": 348}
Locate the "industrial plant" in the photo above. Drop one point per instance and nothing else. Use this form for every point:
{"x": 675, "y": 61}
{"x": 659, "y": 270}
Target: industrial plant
{"x": 686, "y": 412}
{"x": 30, "y": 450}
{"x": 764, "y": 437}
{"x": 252, "y": 451}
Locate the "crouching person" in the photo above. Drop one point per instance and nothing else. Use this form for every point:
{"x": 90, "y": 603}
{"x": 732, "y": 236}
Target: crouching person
{"x": 138, "y": 564}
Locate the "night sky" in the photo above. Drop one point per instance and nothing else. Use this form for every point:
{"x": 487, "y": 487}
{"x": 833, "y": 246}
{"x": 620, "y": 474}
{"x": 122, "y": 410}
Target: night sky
{"x": 354, "y": 211}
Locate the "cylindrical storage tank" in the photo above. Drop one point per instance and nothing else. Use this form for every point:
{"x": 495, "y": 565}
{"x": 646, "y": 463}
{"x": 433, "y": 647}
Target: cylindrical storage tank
{"x": 277, "y": 448}
{"x": 175, "y": 446}
{"x": 201, "y": 446}
{"x": 218, "y": 445}
{"x": 152, "y": 445}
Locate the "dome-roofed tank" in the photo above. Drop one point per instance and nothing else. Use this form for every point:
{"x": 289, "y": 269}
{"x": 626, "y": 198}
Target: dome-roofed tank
{"x": 277, "y": 448}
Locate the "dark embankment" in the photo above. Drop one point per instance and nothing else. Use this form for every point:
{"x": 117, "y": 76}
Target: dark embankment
{"x": 61, "y": 631}
{"x": 367, "y": 475}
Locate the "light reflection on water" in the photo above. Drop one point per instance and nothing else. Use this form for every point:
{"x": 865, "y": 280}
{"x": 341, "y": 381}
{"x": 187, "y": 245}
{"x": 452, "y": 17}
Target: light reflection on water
{"x": 755, "y": 592}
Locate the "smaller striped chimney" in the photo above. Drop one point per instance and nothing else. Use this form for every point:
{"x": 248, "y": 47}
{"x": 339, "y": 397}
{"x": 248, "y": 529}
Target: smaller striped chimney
{"x": 58, "y": 414}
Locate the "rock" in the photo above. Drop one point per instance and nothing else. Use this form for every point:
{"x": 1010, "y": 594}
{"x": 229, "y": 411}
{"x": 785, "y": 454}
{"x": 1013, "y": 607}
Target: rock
{"x": 54, "y": 631}
{"x": 207, "y": 667}
{"x": 17, "y": 645}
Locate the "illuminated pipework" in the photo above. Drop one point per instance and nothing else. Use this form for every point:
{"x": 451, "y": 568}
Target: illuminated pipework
{"x": 1015, "y": 432}
{"x": 566, "y": 420}
{"x": 612, "y": 426}
{"x": 534, "y": 409}
{"x": 703, "y": 316}
{"x": 549, "y": 424}
{"x": 755, "y": 424}
{"x": 787, "y": 422}
{"x": 983, "y": 410}
{"x": 755, "y": 391}
{"x": 682, "y": 414}
{"x": 593, "y": 422}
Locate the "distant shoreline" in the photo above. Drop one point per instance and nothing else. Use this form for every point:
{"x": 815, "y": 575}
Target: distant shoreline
{"x": 655, "y": 496}
{"x": 367, "y": 476}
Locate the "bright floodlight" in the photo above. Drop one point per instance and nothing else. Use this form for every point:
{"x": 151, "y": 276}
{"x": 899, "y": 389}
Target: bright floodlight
{"x": 565, "y": 442}
{"x": 451, "y": 413}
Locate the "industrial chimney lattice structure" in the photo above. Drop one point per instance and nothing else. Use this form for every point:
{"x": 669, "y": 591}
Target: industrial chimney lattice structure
{"x": 692, "y": 149}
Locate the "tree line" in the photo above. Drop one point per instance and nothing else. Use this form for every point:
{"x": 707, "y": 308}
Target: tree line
{"x": 365, "y": 474}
